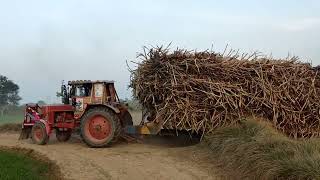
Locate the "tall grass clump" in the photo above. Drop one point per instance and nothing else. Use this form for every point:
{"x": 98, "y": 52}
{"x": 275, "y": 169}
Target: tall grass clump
{"x": 255, "y": 150}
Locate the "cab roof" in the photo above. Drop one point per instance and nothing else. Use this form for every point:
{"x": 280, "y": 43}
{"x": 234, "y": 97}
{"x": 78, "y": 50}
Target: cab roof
{"x": 77, "y": 82}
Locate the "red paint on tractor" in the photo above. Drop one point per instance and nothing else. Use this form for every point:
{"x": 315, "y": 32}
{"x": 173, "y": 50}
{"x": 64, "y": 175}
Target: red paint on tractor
{"x": 52, "y": 116}
{"x": 98, "y": 128}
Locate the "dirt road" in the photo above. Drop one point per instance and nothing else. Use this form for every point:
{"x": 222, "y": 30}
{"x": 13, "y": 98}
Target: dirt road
{"x": 156, "y": 158}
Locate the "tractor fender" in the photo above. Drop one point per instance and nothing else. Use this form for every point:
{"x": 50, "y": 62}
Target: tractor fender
{"x": 48, "y": 130}
{"x": 115, "y": 109}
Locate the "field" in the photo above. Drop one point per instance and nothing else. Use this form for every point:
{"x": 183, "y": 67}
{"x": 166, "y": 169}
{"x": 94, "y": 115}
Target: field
{"x": 21, "y": 164}
{"x": 11, "y": 118}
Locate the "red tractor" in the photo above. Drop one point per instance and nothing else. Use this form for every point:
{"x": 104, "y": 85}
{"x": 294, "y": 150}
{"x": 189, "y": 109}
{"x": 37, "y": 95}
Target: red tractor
{"x": 91, "y": 106}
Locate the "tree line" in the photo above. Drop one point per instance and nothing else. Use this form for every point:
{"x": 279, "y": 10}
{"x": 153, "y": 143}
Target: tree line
{"x": 9, "y": 95}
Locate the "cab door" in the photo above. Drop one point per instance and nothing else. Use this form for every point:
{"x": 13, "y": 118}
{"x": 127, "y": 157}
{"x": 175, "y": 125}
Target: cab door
{"x": 98, "y": 93}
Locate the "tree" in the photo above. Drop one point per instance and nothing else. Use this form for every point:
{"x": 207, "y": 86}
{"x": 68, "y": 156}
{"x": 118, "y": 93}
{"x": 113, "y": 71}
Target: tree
{"x": 8, "y": 94}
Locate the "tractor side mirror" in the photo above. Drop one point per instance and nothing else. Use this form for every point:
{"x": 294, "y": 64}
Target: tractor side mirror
{"x": 64, "y": 94}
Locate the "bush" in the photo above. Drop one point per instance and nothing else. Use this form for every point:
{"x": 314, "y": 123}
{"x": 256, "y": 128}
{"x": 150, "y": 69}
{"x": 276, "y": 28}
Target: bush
{"x": 255, "y": 150}
{"x": 7, "y": 127}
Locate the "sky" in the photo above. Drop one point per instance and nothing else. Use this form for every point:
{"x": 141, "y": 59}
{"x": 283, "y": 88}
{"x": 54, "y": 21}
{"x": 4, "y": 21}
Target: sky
{"x": 43, "y": 42}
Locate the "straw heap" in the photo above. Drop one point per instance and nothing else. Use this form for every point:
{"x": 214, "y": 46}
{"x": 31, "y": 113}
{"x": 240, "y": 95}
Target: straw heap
{"x": 201, "y": 91}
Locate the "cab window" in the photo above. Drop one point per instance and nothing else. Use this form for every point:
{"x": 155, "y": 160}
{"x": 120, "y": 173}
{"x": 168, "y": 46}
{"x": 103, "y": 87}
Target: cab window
{"x": 81, "y": 91}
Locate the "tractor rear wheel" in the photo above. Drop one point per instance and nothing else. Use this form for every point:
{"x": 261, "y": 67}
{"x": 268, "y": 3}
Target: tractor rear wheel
{"x": 39, "y": 134}
{"x": 99, "y": 127}
{"x": 63, "y": 136}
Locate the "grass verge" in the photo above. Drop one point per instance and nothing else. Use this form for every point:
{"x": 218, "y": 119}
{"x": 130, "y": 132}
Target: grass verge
{"x": 10, "y": 127}
{"x": 17, "y": 163}
{"x": 11, "y": 118}
{"x": 254, "y": 150}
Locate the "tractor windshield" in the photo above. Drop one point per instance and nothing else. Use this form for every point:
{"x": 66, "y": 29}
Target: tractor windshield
{"x": 83, "y": 90}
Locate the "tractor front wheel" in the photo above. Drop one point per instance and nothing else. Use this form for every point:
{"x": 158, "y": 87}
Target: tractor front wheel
{"x": 63, "y": 136}
{"x": 99, "y": 127}
{"x": 39, "y": 134}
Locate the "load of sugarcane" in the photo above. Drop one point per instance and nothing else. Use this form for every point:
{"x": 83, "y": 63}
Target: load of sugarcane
{"x": 201, "y": 91}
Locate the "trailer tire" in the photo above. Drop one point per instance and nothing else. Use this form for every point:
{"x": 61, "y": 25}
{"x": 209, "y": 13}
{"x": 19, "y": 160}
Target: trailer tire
{"x": 39, "y": 134}
{"x": 99, "y": 127}
{"x": 63, "y": 136}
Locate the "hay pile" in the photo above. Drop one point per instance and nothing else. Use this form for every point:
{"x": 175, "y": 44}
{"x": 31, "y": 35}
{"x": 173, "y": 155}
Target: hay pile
{"x": 201, "y": 91}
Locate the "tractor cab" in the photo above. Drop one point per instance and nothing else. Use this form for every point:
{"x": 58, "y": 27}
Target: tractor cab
{"x": 83, "y": 93}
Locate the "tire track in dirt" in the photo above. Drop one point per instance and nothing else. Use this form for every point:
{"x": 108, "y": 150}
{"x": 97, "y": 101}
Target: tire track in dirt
{"x": 121, "y": 161}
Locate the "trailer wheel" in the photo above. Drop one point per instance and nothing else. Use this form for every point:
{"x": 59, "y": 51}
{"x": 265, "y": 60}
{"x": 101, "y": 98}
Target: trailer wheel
{"x": 99, "y": 127}
{"x": 63, "y": 136}
{"x": 39, "y": 134}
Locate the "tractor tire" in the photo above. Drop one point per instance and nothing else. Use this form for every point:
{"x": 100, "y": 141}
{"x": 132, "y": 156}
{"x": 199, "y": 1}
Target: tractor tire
{"x": 126, "y": 119}
{"x": 39, "y": 134}
{"x": 99, "y": 127}
{"x": 63, "y": 136}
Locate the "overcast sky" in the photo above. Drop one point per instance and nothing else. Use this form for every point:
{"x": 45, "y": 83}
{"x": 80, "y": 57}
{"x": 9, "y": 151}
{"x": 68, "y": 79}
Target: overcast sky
{"x": 45, "y": 41}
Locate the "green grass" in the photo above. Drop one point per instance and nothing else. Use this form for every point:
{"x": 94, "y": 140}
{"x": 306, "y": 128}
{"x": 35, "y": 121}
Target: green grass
{"x": 254, "y": 150}
{"x": 15, "y": 165}
{"x": 11, "y": 118}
